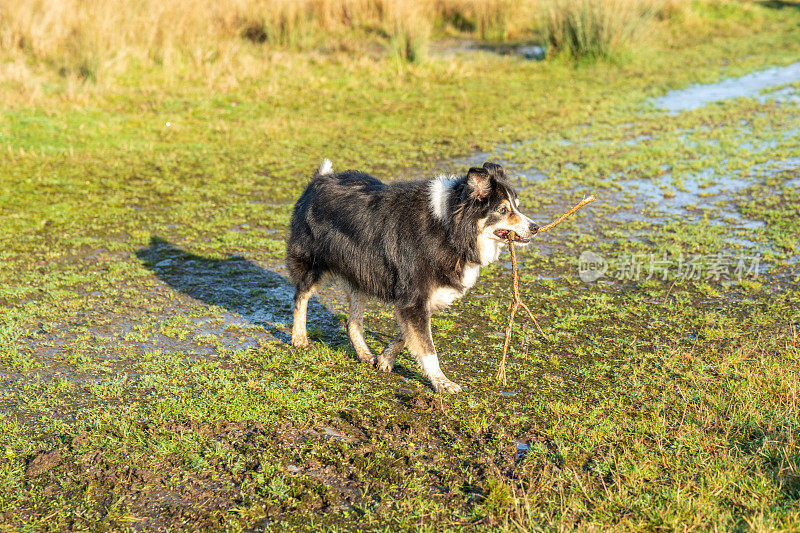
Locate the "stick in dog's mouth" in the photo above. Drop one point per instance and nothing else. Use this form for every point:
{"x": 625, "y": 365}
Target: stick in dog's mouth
{"x": 517, "y": 302}
{"x": 504, "y": 234}
{"x": 510, "y": 235}
{"x": 560, "y": 219}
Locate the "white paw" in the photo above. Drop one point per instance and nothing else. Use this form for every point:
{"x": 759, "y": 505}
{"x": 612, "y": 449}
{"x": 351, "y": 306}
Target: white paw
{"x": 442, "y": 384}
{"x": 300, "y": 342}
{"x": 385, "y": 366}
{"x": 366, "y": 358}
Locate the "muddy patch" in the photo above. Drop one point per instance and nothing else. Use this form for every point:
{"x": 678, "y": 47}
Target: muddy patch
{"x": 293, "y": 471}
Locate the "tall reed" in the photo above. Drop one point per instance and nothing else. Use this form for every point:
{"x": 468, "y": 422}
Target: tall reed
{"x": 597, "y": 28}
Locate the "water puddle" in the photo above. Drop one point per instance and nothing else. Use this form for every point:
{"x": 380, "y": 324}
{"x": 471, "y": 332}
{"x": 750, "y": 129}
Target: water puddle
{"x": 773, "y": 167}
{"x": 633, "y": 141}
{"x": 784, "y": 95}
{"x": 449, "y": 48}
{"x": 698, "y": 195}
{"x": 749, "y": 85}
{"x": 522, "y": 449}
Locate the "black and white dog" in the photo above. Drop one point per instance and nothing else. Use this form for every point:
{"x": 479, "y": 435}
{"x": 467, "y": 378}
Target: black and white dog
{"x": 416, "y": 245}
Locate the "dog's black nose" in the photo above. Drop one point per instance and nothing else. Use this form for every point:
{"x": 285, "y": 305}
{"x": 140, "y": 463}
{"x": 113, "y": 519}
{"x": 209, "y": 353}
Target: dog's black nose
{"x": 534, "y": 228}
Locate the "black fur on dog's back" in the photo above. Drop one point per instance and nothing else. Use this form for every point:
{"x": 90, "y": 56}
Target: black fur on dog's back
{"x": 384, "y": 239}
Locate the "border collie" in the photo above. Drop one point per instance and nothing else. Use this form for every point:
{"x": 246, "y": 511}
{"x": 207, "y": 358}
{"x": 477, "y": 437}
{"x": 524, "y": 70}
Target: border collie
{"x": 415, "y": 245}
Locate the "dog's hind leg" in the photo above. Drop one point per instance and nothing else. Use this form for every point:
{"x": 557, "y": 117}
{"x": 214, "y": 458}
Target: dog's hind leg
{"x": 301, "y": 296}
{"x": 389, "y": 354}
{"x": 355, "y": 325}
{"x": 306, "y": 281}
{"x": 416, "y": 328}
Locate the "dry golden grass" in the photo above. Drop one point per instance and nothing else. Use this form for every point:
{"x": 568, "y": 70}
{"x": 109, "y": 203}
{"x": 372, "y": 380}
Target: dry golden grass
{"x": 89, "y": 35}
{"x": 92, "y": 31}
{"x": 51, "y": 48}
{"x": 490, "y": 19}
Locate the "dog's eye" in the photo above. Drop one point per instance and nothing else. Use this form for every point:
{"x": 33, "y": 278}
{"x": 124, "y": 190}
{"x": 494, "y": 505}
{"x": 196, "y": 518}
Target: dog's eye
{"x": 503, "y": 210}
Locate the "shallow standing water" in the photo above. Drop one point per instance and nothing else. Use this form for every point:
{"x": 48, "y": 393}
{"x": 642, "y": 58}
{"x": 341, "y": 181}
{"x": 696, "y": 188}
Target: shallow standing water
{"x": 749, "y": 85}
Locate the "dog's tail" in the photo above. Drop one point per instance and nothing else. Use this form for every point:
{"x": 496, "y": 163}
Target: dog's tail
{"x": 326, "y": 167}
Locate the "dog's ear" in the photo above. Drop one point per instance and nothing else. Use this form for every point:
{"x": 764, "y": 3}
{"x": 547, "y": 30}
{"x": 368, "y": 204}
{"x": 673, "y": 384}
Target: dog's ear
{"x": 478, "y": 183}
{"x": 495, "y": 170}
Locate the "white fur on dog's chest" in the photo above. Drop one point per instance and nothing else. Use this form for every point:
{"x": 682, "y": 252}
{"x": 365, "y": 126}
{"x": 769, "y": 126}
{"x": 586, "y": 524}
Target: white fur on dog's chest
{"x": 441, "y": 298}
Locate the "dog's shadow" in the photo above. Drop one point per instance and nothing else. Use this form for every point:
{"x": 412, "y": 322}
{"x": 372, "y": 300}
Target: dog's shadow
{"x": 261, "y": 296}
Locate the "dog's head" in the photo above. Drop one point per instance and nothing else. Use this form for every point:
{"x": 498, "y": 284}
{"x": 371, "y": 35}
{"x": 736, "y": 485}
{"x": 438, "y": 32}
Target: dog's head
{"x": 488, "y": 187}
{"x": 479, "y": 211}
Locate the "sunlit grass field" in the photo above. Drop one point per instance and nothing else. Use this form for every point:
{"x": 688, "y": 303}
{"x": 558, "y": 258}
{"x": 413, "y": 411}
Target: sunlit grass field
{"x": 145, "y": 377}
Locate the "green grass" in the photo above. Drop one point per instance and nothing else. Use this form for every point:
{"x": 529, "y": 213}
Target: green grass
{"x": 143, "y": 304}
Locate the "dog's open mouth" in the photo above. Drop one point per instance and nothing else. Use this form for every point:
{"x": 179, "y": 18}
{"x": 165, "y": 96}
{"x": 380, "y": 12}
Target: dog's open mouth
{"x": 503, "y": 234}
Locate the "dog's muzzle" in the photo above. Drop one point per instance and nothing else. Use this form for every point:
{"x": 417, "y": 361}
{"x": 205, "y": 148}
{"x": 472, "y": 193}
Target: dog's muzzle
{"x": 523, "y": 239}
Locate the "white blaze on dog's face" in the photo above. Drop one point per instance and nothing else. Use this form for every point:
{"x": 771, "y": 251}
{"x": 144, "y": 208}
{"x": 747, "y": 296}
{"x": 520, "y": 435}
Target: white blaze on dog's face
{"x": 504, "y": 217}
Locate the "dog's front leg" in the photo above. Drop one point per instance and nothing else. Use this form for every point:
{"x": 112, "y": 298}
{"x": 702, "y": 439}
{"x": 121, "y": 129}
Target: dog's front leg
{"x": 415, "y": 324}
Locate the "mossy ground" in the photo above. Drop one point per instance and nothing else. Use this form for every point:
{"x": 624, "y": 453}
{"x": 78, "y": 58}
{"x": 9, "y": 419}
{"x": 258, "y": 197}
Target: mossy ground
{"x": 146, "y": 379}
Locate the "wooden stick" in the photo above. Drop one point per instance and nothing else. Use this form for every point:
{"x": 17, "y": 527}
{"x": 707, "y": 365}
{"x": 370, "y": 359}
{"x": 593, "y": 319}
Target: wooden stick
{"x": 560, "y": 219}
{"x": 517, "y": 302}
{"x": 515, "y": 305}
